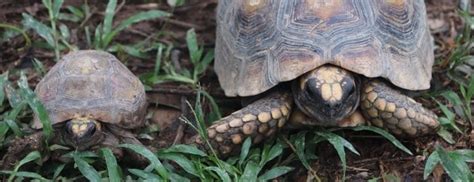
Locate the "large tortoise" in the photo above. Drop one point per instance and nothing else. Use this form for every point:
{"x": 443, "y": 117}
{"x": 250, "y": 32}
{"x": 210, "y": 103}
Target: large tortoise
{"x": 328, "y": 57}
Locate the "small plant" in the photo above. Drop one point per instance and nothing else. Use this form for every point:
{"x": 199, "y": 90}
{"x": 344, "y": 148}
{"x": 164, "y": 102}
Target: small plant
{"x": 104, "y": 33}
{"x": 453, "y": 162}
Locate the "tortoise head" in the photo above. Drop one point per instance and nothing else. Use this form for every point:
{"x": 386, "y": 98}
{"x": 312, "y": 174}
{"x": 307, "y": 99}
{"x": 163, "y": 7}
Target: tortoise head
{"x": 83, "y": 132}
{"x": 327, "y": 93}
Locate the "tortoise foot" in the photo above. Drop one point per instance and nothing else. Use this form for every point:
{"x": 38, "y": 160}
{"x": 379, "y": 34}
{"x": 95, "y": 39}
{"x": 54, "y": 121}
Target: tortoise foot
{"x": 259, "y": 120}
{"x": 387, "y": 108}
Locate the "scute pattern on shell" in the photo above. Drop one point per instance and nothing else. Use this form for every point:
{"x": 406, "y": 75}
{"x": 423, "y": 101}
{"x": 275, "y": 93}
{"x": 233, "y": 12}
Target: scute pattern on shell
{"x": 263, "y": 42}
{"x": 92, "y": 83}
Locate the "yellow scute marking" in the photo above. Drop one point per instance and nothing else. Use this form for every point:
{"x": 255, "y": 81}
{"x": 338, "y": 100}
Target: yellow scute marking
{"x": 396, "y": 2}
{"x": 326, "y": 92}
{"x": 252, "y": 5}
{"x": 337, "y": 91}
{"x": 330, "y": 75}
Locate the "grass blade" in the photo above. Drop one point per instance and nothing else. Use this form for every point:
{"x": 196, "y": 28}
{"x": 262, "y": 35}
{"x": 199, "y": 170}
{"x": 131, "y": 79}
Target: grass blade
{"x": 35, "y": 105}
{"x": 155, "y": 163}
{"x": 451, "y": 165}
{"x": 386, "y": 135}
{"x": 274, "y": 173}
{"x": 299, "y": 141}
{"x": 27, "y": 175}
{"x": 191, "y": 42}
{"x": 245, "y": 150}
{"x": 185, "y": 149}
{"x": 41, "y": 29}
{"x": 182, "y": 161}
{"x": 339, "y": 143}
{"x": 109, "y": 16}
{"x": 142, "y": 16}
{"x": 220, "y": 172}
{"x": 58, "y": 171}
{"x": 87, "y": 170}
{"x": 145, "y": 175}
{"x": 250, "y": 172}
{"x": 3, "y": 80}
{"x": 30, "y": 157}
{"x": 275, "y": 151}
{"x": 430, "y": 164}
{"x": 3, "y": 132}
{"x": 112, "y": 166}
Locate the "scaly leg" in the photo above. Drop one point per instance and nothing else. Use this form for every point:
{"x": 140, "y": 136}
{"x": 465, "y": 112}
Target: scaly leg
{"x": 387, "y": 108}
{"x": 259, "y": 120}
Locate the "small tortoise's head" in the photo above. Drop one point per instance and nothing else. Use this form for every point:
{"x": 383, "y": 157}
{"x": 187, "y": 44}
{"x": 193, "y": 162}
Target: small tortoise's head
{"x": 83, "y": 132}
{"x": 328, "y": 94}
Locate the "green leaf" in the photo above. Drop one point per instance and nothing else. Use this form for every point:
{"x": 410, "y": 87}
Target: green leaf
{"x": 27, "y": 175}
{"x": 191, "y": 42}
{"x": 112, "y": 166}
{"x": 182, "y": 161}
{"x": 155, "y": 163}
{"x": 14, "y": 127}
{"x": 250, "y": 172}
{"x": 56, "y": 7}
{"x": 185, "y": 149}
{"x": 430, "y": 164}
{"x": 64, "y": 30}
{"x": 41, "y": 29}
{"x": 220, "y": 172}
{"x": 159, "y": 56}
{"x": 386, "y": 135}
{"x": 274, "y": 173}
{"x": 339, "y": 143}
{"x": 446, "y": 135}
{"x": 275, "y": 151}
{"x": 87, "y": 170}
{"x": 299, "y": 143}
{"x": 30, "y": 157}
{"x": 109, "y": 16}
{"x": 145, "y": 175}
{"x": 58, "y": 171}
{"x": 142, "y": 16}
{"x": 76, "y": 11}
{"x": 39, "y": 67}
{"x": 452, "y": 97}
{"x": 3, "y": 131}
{"x": 245, "y": 150}
{"x": 13, "y": 96}
{"x": 451, "y": 165}
{"x": 201, "y": 66}
{"x": 3, "y": 80}
{"x": 35, "y": 105}
{"x": 175, "y": 3}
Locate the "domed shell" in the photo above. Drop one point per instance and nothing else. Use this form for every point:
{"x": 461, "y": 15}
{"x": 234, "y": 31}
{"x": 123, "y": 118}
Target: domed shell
{"x": 261, "y": 43}
{"x": 94, "y": 84}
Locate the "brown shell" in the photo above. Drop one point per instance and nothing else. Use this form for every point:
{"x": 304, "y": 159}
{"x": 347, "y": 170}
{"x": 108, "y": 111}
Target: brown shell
{"x": 95, "y": 84}
{"x": 261, "y": 43}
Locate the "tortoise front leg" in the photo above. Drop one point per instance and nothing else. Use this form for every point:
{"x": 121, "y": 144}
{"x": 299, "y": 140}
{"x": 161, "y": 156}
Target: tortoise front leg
{"x": 387, "y": 108}
{"x": 259, "y": 121}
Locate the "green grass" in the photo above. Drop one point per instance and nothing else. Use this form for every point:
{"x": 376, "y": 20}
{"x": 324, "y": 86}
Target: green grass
{"x": 273, "y": 159}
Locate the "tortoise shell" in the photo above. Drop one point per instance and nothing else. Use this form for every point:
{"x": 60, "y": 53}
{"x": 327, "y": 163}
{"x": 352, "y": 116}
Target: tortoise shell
{"x": 261, "y": 43}
{"x": 92, "y": 84}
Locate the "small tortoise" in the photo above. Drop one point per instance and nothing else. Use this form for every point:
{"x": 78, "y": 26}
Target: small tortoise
{"x": 341, "y": 56}
{"x": 92, "y": 100}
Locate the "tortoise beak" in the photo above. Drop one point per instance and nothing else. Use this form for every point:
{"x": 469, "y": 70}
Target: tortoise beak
{"x": 81, "y": 128}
